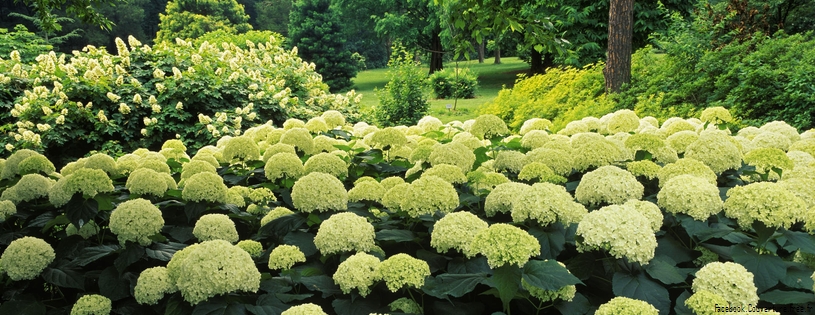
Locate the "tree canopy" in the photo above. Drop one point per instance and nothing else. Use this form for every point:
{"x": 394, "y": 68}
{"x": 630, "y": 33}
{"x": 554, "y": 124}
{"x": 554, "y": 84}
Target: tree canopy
{"x": 188, "y": 19}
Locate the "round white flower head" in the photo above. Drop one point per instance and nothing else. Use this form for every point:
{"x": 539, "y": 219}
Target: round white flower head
{"x": 402, "y": 270}
{"x": 405, "y": 305}
{"x": 304, "y": 309}
{"x": 393, "y": 197}
{"x": 800, "y": 158}
{"x": 644, "y": 168}
{"x": 316, "y": 125}
{"x": 254, "y": 248}
{"x": 555, "y": 199}
{"x": 215, "y": 226}
{"x": 447, "y": 172}
{"x": 387, "y": 138}
{"x": 671, "y": 127}
{"x": 534, "y": 139}
{"x": 625, "y": 306}
{"x": 299, "y": 138}
{"x": 7, "y": 208}
{"x": 429, "y": 194}
{"x": 488, "y": 126}
{"x": 503, "y": 197}
{"x": 508, "y": 160}
{"x": 10, "y": 169}
{"x": 716, "y": 115}
{"x": 92, "y": 304}
{"x": 535, "y": 124}
{"x": 782, "y": 128}
{"x": 767, "y": 202}
{"x": 539, "y": 172}
{"x": 623, "y": 121}
{"x": 769, "y": 139}
{"x": 608, "y": 184}
{"x": 728, "y": 280}
{"x": 430, "y": 123}
{"x": 274, "y": 214}
{"x": 103, "y": 162}
{"x": 283, "y": 257}
{"x": 767, "y": 159}
{"x": 292, "y": 123}
{"x": 212, "y": 268}
{"x": 278, "y": 148}
{"x": 86, "y": 231}
{"x": 205, "y": 186}
{"x": 456, "y": 231}
{"x": 573, "y": 128}
{"x": 174, "y": 144}
{"x": 805, "y": 145}
{"x": 392, "y": 181}
{"x": 144, "y": 181}
{"x": 241, "y": 148}
{"x": 559, "y": 161}
{"x": 621, "y": 230}
{"x": 284, "y": 164}
{"x": 87, "y": 181}
{"x": 804, "y": 188}
{"x": 749, "y": 132}
{"x": 319, "y": 192}
{"x": 29, "y": 187}
{"x": 468, "y": 140}
{"x": 644, "y": 142}
{"x": 357, "y": 272}
{"x": 26, "y": 257}
{"x": 194, "y": 167}
{"x": 681, "y": 140}
{"x": 333, "y": 119}
{"x": 152, "y": 284}
{"x": 716, "y": 150}
{"x": 326, "y": 163}
{"x": 367, "y": 190}
{"x": 593, "y": 150}
{"x": 274, "y": 135}
{"x": 136, "y": 221}
{"x": 686, "y": 167}
{"x": 691, "y": 195}
{"x": 704, "y": 302}
{"x": 649, "y": 210}
{"x": 35, "y": 164}
{"x": 343, "y": 232}
{"x": 322, "y": 143}
{"x": 454, "y": 154}
{"x": 504, "y": 244}
{"x": 485, "y": 180}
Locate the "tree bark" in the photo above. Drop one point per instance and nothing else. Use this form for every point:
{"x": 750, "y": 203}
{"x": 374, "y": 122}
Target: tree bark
{"x": 436, "y": 54}
{"x": 497, "y": 56}
{"x": 620, "y": 32}
{"x": 481, "y": 51}
{"x": 535, "y": 62}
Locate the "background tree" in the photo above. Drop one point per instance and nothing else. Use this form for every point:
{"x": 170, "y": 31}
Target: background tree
{"x": 273, "y": 15}
{"x": 188, "y": 19}
{"x": 314, "y": 28}
{"x": 620, "y": 31}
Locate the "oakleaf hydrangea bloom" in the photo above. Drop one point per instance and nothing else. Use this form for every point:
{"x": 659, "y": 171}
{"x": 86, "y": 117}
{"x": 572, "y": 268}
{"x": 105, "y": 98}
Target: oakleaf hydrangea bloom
{"x": 285, "y": 256}
{"x": 535, "y": 124}
{"x": 344, "y": 232}
{"x": 254, "y": 248}
{"x": 7, "y": 208}
{"x": 429, "y": 194}
{"x": 215, "y": 226}
{"x": 319, "y": 192}
{"x": 406, "y": 305}
{"x": 488, "y": 126}
{"x": 204, "y": 186}
{"x": 454, "y": 154}
{"x": 534, "y": 139}
{"x": 456, "y": 231}
{"x": 326, "y": 163}
{"x": 241, "y": 148}
{"x": 508, "y": 160}
{"x": 539, "y": 172}
{"x": 87, "y": 181}
{"x": 716, "y": 150}
{"x": 767, "y": 159}
{"x": 403, "y": 270}
{"x": 274, "y": 214}
{"x": 767, "y": 202}
{"x": 728, "y": 280}
{"x": 594, "y": 150}
{"x": 681, "y": 140}
{"x": 86, "y": 231}
{"x": 367, "y": 190}
{"x": 558, "y": 160}
{"x": 26, "y": 257}
{"x": 152, "y": 284}
{"x": 357, "y": 272}
{"x": 286, "y": 165}
{"x": 29, "y": 187}
{"x": 212, "y": 268}
{"x": 136, "y": 221}
{"x": 447, "y": 172}
{"x": 644, "y": 168}
{"x": 304, "y": 309}
{"x": 387, "y": 138}
{"x": 782, "y": 128}
{"x": 299, "y": 138}
{"x": 621, "y": 230}
{"x": 686, "y": 167}
{"x": 565, "y": 293}
{"x": 35, "y": 164}
{"x": 705, "y": 302}
{"x": 625, "y": 306}
{"x": 690, "y": 195}
{"x": 608, "y": 184}
{"x": 91, "y": 304}
{"x": 505, "y": 244}
{"x": 278, "y": 148}
{"x": 144, "y": 181}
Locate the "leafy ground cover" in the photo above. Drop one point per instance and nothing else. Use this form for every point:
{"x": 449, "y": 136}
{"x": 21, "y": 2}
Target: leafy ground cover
{"x": 617, "y": 215}
{"x": 491, "y": 78}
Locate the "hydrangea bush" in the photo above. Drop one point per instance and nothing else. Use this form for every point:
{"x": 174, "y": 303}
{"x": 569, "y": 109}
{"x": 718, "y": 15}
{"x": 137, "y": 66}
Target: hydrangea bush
{"x": 616, "y": 215}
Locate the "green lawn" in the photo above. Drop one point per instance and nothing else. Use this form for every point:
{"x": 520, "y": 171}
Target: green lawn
{"x": 491, "y": 78}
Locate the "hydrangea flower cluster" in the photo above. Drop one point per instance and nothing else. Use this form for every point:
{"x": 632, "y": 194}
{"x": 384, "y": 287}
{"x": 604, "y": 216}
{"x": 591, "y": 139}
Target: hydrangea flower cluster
{"x": 539, "y": 172}
{"x": 690, "y": 195}
{"x": 621, "y": 230}
{"x": 729, "y": 280}
{"x": 212, "y": 268}
{"x": 447, "y": 172}
{"x": 86, "y": 231}
{"x": 241, "y": 148}
{"x": 456, "y": 231}
{"x": 326, "y": 163}
{"x": 649, "y": 210}
{"x": 304, "y": 309}
{"x": 367, "y": 190}
{"x": 686, "y": 167}
{"x": 284, "y": 164}
{"x": 92, "y": 304}
{"x": 285, "y": 256}
{"x": 215, "y": 226}
{"x": 623, "y": 121}
{"x": 767, "y": 159}
{"x": 453, "y": 153}
{"x": 145, "y": 181}
{"x": 406, "y": 305}
{"x": 644, "y": 168}
{"x": 608, "y": 184}
{"x": 152, "y": 285}
{"x": 558, "y": 160}
{"x": 504, "y": 244}
{"x": 624, "y": 305}
{"x": 767, "y": 202}
{"x": 716, "y": 150}
{"x": 319, "y": 192}
{"x": 488, "y": 126}
{"x": 254, "y": 248}
{"x": 274, "y": 214}
{"x": 26, "y": 257}
{"x": 205, "y": 186}
{"x": 534, "y": 139}
{"x": 594, "y": 150}
{"x": 357, "y": 272}
{"x": 704, "y": 302}
{"x": 344, "y": 232}
{"x": 402, "y": 270}
{"x": 29, "y": 187}
{"x": 136, "y": 221}
{"x": 427, "y": 195}
{"x": 387, "y": 138}
{"x": 87, "y": 181}
{"x": 7, "y": 208}
{"x": 716, "y": 115}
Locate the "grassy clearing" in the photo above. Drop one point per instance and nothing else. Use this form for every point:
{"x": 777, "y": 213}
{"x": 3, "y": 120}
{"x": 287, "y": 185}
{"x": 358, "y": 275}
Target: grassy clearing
{"x": 491, "y": 79}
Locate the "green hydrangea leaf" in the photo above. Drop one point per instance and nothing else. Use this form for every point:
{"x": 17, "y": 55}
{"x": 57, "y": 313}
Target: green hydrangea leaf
{"x": 780, "y": 297}
{"x": 456, "y": 285}
{"x": 395, "y": 235}
{"x": 164, "y": 252}
{"x": 66, "y": 278}
{"x": 112, "y": 285}
{"x": 664, "y": 269}
{"x": 642, "y": 288}
{"x": 321, "y": 283}
{"x": 798, "y": 277}
{"x": 90, "y": 254}
{"x": 552, "y": 240}
{"x": 578, "y": 306}
{"x": 130, "y": 255}
{"x": 798, "y": 240}
{"x": 767, "y": 269}
{"x": 23, "y": 307}
{"x": 548, "y": 275}
{"x": 80, "y": 210}
{"x": 219, "y": 307}
{"x": 357, "y": 307}
{"x": 507, "y": 281}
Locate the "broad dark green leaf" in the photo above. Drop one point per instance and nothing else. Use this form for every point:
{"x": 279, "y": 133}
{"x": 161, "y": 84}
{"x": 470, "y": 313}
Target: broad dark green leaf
{"x": 457, "y": 307}
{"x": 582, "y": 266}
{"x": 798, "y": 277}
{"x": 664, "y": 269}
{"x": 395, "y": 235}
{"x": 507, "y": 280}
{"x": 321, "y": 283}
{"x": 641, "y": 288}
{"x": 702, "y": 231}
{"x": 455, "y": 285}
{"x": 667, "y": 245}
{"x": 90, "y": 254}
{"x": 80, "y": 211}
{"x": 275, "y": 285}
{"x": 104, "y": 202}
{"x": 303, "y": 240}
{"x": 281, "y": 226}
{"x": 22, "y": 307}
{"x": 357, "y": 307}
{"x": 579, "y": 305}
{"x": 471, "y": 265}
{"x": 66, "y": 278}
{"x": 552, "y": 240}
{"x": 548, "y": 275}
{"x": 767, "y": 269}
{"x": 132, "y": 253}
{"x": 112, "y": 286}
{"x": 435, "y": 261}
{"x": 286, "y": 297}
{"x": 50, "y": 221}
{"x": 788, "y": 297}
{"x": 218, "y": 307}
{"x": 164, "y": 252}
{"x": 680, "y": 307}
{"x": 194, "y": 210}
{"x": 181, "y": 234}
{"x": 798, "y": 240}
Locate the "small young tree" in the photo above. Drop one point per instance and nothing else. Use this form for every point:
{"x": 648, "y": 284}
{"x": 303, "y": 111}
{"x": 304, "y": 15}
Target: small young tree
{"x": 188, "y": 19}
{"x": 402, "y": 101}
{"x": 314, "y": 28}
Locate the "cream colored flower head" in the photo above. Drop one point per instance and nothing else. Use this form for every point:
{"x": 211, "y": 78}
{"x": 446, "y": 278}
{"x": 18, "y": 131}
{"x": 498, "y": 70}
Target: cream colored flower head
{"x": 344, "y": 232}
{"x": 26, "y": 257}
{"x": 504, "y": 244}
{"x": 767, "y": 202}
{"x": 690, "y": 195}
{"x": 92, "y": 304}
{"x": 212, "y": 268}
{"x": 456, "y": 231}
{"x": 319, "y": 192}
{"x": 625, "y": 306}
{"x": 402, "y": 270}
{"x": 728, "y": 280}
{"x": 608, "y": 184}
{"x": 284, "y": 257}
{"x": 619, "y": 229}
{"x": 215, "y": 226}
{"x": 357, "y": 272}
{"x": 136, "y": 220}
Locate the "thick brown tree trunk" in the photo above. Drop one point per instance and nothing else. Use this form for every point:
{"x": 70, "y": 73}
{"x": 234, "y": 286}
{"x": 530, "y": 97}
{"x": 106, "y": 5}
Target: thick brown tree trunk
{"x": 497, "y": 56}
{"x": 436, "y": 54}
{"x": 535, "y": 62}
{"x": 620, "y": 26}
{"x": 481, "y": 51}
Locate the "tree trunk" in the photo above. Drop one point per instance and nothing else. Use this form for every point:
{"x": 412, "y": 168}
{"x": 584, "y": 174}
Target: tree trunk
{"x": 618, "y": 66}
{"x": 497, "y": 56}
{"x": 538, "y": 62}
{"x": 481, "y": 50}
{"x": 436, "y": 54}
